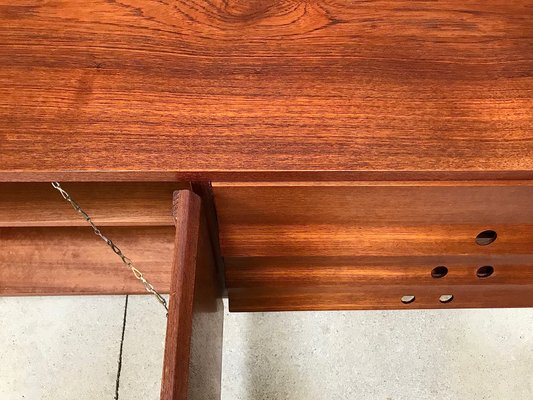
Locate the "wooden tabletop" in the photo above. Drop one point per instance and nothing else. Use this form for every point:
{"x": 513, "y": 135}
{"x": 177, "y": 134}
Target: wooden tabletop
{"x": 240, "y": 89}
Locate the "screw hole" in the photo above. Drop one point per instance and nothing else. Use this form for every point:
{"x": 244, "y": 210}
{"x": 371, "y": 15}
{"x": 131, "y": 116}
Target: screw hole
{"x": 486, "y": 237}
{"x": 439, "y": 272}
{"x": 485, "y": 271}
{"x": 408, "y": 299}
{"x": 446, "y": 298}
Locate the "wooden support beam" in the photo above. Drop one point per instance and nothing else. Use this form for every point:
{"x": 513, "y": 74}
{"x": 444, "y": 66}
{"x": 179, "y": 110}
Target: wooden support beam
{"x": 109, "y": 204}
{"x": 379, "y": 297}
{"x": 193, "y": 347}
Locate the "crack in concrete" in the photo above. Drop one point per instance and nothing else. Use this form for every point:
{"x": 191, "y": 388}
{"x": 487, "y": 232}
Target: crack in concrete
{"x": 117, "y": 385}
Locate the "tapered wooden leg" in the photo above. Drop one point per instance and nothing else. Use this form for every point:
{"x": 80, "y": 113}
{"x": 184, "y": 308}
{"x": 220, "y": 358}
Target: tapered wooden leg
{"x": 193, "y": 346}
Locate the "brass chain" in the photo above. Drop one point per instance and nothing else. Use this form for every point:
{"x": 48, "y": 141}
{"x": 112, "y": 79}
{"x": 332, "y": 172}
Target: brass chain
{"x": 127, "y": 262}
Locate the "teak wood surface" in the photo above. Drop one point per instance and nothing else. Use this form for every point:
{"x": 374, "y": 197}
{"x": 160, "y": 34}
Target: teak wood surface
{"x": 47, "y": 248}
{"x": 271, "y": 90}
{"x": 353, "y": 245}
{"x": 73, "y": 261}
{"x": 393, "y": 132}
{"x": 109, "y": 204}
{"x": 376, "y": 297}
{"x": 364, "y": 220}
{"x": 193, "y": 344}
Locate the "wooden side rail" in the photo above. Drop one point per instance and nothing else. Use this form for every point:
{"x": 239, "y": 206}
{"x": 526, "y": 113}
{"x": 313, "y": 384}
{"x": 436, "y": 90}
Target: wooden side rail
{"x": 46, "y": 248}
{"x": 193, "y": 347}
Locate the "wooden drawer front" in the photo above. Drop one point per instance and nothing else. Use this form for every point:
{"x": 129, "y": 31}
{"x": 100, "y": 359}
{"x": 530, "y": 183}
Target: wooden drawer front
{"x": 357, "y": 246}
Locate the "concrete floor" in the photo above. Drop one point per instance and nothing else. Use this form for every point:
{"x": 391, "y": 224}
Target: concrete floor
{"x": 67, "y": 348}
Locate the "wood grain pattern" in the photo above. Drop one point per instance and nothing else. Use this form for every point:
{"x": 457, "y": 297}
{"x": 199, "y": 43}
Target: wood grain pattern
{"x": 186, "y": 211}
{"x": 358, "y": 220}
{"x": 355, "y": 245}
{"x": 193, "y": 344}
{"x": 72, "y": 260}
{"x": 109, "y": 204}
{"x": 379, "y": 297}
{"x": 312, "y": 272}
{"x": 339, "y": 240}
{"x": 150, "y": 89}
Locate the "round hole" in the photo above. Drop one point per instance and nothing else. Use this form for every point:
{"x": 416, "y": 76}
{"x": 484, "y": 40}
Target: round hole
{"x": 408, "y": 299}
{"x": 439, "y": 272}
{"x": 485, "y": 271}
{"x": 486, "y": 237}
{"x": 446, "y": 298}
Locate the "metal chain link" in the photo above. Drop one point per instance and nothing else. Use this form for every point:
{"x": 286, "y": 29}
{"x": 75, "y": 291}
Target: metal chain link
{"x": 127, "y": 262}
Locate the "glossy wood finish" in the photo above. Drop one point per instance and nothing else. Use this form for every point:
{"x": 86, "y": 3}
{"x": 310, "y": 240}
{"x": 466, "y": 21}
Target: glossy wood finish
{"x": 344, "y": 272}
{"x": 109, "y": 204}
{"x": 353, "y": 245}
{"x": 383, "y": 297}
{"x": 240, "y": 89}
{"x": 47, "y": 248}
{"x": 351, "y": 283}
{"x": 350, "y": 240}
{"x": 359, "y": 220}
{"x": 174, "y": 384}
{"x": 73, "y": 260}
{"x": 193, "y": 344}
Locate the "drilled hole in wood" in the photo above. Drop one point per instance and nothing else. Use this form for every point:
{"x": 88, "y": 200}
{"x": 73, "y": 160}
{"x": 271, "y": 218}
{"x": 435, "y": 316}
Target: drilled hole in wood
{"x": 485, "y": 271}
{"x": 446, "y": 298}
{"x": 486, "y": 237}
{"x": 439, "y": 272}
{"x": 408, "y": 299}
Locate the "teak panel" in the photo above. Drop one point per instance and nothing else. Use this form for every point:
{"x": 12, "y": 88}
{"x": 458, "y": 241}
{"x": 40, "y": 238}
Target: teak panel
{"x": 73, "y": 260}
{"x": 343, "y": 272}
{"x": 355, "y": 245}
{"x": 193, "y": 344}
{"x": 149, "y": 90}
{"x": 358, "y": 220}
{"x": 122, "y": 204}
{"x": 379, "y": 297}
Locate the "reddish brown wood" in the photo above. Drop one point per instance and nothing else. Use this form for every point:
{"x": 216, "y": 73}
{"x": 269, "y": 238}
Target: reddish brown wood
{"x": 261, "y": 176}
{"x": 379, "y": 297}
{"x": 109, "y": 204}
{"x": 312, "y": 219}
{"x": 356, "y": 245}
{"x": 205, "y": 191}
{"x": 193, "y": 345}
{"x": 189, "y": 90}
{"x": 73, "y": 260}
{"x": 186, "y": 211}
{"x": 310, "y": 272}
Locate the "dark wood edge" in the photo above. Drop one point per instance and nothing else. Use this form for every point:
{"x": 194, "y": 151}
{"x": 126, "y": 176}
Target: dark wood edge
{"x": 265, "y": 176}
{"x": 205, "y": 191}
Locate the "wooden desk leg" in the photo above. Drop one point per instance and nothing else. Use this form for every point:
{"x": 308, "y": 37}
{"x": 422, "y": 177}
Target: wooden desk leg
{"x": 193, "y": 346}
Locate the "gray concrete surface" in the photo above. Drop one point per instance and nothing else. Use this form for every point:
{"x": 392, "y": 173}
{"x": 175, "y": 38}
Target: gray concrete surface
{"x": 67, "y": 348}
{"x": 55, "y": 348}
{"x": 400, "y": 355}
{"x": 142, "y": 354}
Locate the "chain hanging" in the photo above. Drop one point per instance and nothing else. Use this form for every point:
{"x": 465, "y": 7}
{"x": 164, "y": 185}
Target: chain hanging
{"x": 127, "y": 262}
